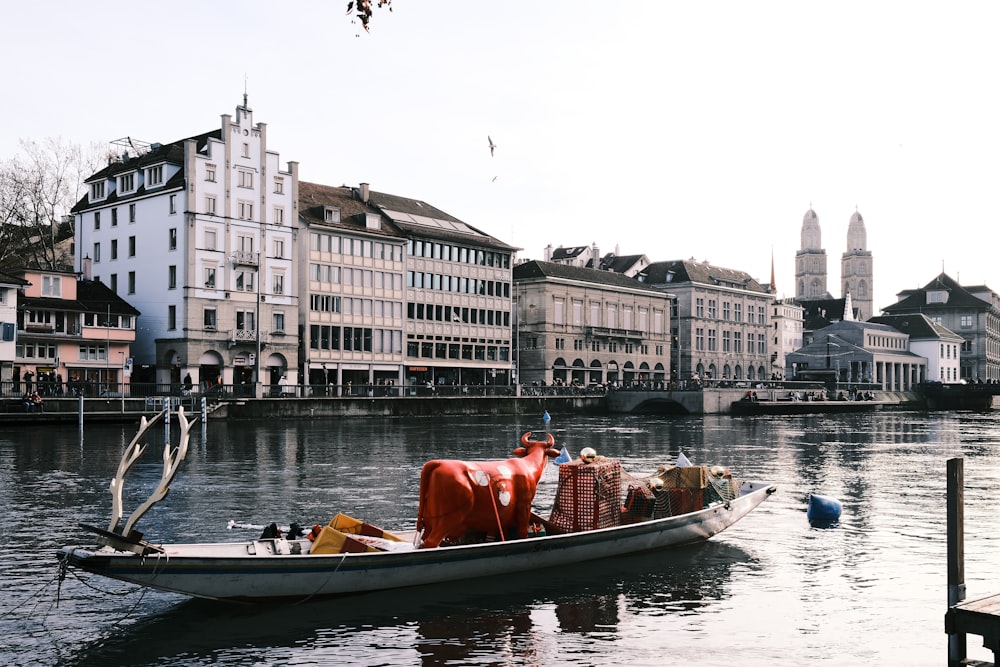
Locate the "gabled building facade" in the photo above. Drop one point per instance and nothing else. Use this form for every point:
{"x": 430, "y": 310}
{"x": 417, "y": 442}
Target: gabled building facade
{"x": 199, "y": 235}
{"x": 579, "y": 326}
{"x": 940, "y": 346}
{"x": 74, "y": 335}
{"x": 972, "y": 312}
{"x": 721, "y": 324}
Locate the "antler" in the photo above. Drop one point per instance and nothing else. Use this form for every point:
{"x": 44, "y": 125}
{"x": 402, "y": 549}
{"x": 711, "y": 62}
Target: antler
{"x": 129, "y": 457}
{"x": 171, "y": 461}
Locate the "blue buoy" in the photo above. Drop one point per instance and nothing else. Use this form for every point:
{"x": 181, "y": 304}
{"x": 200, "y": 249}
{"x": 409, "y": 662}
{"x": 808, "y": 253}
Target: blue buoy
{"x": 546, "y": 417}
{"x": 823, "y": 509}
{"x": 563, "y": 456}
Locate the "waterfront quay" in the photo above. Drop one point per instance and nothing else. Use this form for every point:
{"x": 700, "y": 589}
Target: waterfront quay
{"x": 305, "y": 401}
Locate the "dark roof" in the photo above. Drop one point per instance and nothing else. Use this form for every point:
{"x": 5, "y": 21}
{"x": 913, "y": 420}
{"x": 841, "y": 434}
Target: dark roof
{"x": 172, "y": 153}
{"x": 691, "y": 271}
{"x": 11, "y": 279}
{"x": 916, "y": 325}
{"x": 915, "y": 301}
{"x": 92, "y": 296}
{"x": 415, "y": 207}
{"x": 562, "y": 254}
{"x": 538, "y": 269}
{"x": 619, "y": 263}
{"x": 314, "y": 198}
{"x": 819, "y": 313}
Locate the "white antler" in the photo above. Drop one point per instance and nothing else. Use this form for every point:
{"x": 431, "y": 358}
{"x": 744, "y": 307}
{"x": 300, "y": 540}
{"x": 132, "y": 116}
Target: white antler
{"x": 171, "y": 461}
{"x": 129, "y": 457}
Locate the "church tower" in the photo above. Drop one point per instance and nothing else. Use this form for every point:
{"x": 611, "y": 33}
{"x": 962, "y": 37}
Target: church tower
{"x": 810, "y": 262}
{"x": 856, "y": 268}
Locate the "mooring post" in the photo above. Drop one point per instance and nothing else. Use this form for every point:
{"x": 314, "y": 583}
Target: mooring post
{"x": 956, "y": 553}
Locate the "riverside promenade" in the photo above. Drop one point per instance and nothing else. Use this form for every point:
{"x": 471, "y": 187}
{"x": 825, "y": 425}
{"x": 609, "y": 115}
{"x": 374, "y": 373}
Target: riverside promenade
{"x": 709, "y": 400}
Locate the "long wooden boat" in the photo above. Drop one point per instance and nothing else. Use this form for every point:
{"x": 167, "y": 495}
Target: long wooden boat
{"x": 274, "y": 568}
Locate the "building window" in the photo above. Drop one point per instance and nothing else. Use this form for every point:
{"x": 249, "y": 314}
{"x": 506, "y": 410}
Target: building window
{"x": 246, "y": 149}
{"x": 114, "y": 248}
{"x": 210, "y": 173}
{"x": 279, "y": 321}
{"x": 279, "y": 248}
{"x": 332, "y": 214}
{"x": 172, "y": 238}
{"x": 52, "y": 286}
{"x": 209, "y": 319}
{"x": 131, "y": 282}
{"x": 210, "y": 277}
{"x": 279, "y": 186}
{"x": 131, "y": 212}
{"x": 114, "y": 283}
{"x": 965, "y": 321}
{"x": 114, "y": 217}
{"x": 279, "y": 284}
{"x": 173, "y": 204}
{"x": 154, "y": 175}
{"x": 131, "y": 246}
{"x": 97, "y": 219}
{"x": 245, "y": 210}
{"x": 210, "y": 239}
{"x": 245, "y": 178}
{"x": 97, "y": 190}
{"x": 210, "y": 204}
{"x": 172, "y": 277}
{"x": 279, "y": 215}
{"x": 126, "y": 183}
{"x": 171, "y": 317}
{"x": 97, "y": 252}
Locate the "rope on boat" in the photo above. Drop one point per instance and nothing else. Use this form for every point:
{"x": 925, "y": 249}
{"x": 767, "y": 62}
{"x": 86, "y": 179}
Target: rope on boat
{"x": 496, "y": 512}
{"x": 325, "y": 582}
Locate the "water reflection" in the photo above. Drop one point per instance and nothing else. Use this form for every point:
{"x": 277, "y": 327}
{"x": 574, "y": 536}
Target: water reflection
{"x": 465, "y": 623}
{"x": 879, "y": 575}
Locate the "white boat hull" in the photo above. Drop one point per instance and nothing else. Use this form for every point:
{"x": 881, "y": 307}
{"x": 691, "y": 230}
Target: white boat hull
{"x": 251, "y": 571}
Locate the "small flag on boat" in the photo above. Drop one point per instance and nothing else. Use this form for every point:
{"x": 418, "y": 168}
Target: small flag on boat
{"x": 682, "y": 461}
{"x": 545, "y": 416}
{"x": 563, "y": 456}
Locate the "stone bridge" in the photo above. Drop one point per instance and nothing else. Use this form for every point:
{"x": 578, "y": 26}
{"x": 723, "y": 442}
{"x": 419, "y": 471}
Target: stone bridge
{"x": 701, "y": 402}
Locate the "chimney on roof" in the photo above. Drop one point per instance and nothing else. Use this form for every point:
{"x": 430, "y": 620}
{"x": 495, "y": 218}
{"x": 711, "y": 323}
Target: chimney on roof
{"x": 363, "y": 192}
{"x": 548, "y": 253}
{"x": 86, "y": 268}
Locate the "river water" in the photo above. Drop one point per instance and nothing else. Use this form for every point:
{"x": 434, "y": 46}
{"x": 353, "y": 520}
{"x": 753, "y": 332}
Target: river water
{"x": 769, "y": 591}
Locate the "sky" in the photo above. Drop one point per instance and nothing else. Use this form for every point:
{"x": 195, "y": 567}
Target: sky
{"x": 672, "y": 129}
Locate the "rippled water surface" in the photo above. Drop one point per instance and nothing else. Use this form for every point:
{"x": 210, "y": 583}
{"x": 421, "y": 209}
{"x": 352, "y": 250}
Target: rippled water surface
{"x": 770, "y": 591}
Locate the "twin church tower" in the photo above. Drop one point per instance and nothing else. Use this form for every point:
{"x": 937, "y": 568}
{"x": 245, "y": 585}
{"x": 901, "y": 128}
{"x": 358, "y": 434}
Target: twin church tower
{"x": 855, "y": 267}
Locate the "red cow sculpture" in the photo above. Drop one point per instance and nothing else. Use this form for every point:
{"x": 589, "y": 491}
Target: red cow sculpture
{"x": 492, "y": 497}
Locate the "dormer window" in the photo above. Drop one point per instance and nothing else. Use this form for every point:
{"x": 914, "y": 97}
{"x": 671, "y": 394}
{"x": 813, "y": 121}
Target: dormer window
{"x": 331, "y": 213}
{"x": 154, "y": 175}
{"x": 126, "y": 183}
{"x": 97, "y": 191}
{"x": 937, "y": 296}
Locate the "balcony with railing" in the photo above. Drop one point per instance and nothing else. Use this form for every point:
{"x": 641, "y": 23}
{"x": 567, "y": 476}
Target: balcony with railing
{"x": 245, "y": 258}
{"x": 618, "y": 334}
{"x": 247, "y": 335}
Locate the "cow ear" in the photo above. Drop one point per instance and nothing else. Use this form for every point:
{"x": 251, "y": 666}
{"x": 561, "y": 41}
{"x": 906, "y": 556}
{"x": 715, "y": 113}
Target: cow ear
{"x": 552, "y": 453}
{"x": 520, "y": 451}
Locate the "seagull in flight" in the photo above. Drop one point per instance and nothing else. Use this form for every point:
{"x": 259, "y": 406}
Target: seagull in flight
{"x": 492, "y": 145}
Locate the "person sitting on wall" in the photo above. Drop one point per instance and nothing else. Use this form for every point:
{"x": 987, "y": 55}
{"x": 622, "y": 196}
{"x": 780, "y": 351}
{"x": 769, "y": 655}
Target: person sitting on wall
{"x": 27, "y": 403}
{"x": 37, "y": 404}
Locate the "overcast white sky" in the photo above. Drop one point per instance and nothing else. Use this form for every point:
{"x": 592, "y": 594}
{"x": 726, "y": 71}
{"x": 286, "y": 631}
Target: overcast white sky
{"x": 677, "y": 130}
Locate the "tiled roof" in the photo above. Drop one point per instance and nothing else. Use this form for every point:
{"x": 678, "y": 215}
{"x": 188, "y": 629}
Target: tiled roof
{"x": 314, "y": 198}
{"x": 687, "y": 270}
{"x": 538, "y": 269}
{"x": 916, "y": 300}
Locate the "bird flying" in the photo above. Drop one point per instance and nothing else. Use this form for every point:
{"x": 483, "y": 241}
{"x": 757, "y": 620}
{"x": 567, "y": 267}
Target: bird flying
{"x": 492, "y": 145}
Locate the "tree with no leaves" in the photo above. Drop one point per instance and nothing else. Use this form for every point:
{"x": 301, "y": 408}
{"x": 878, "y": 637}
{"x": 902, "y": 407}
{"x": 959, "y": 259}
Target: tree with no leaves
{"x": 38, "y": 187}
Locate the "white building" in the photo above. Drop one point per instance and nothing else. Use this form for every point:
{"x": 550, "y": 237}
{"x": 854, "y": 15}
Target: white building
{"x": 198, "y": 234}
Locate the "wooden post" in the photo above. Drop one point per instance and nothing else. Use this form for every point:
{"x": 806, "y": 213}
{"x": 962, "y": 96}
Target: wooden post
{"x": 956, "y": 553}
